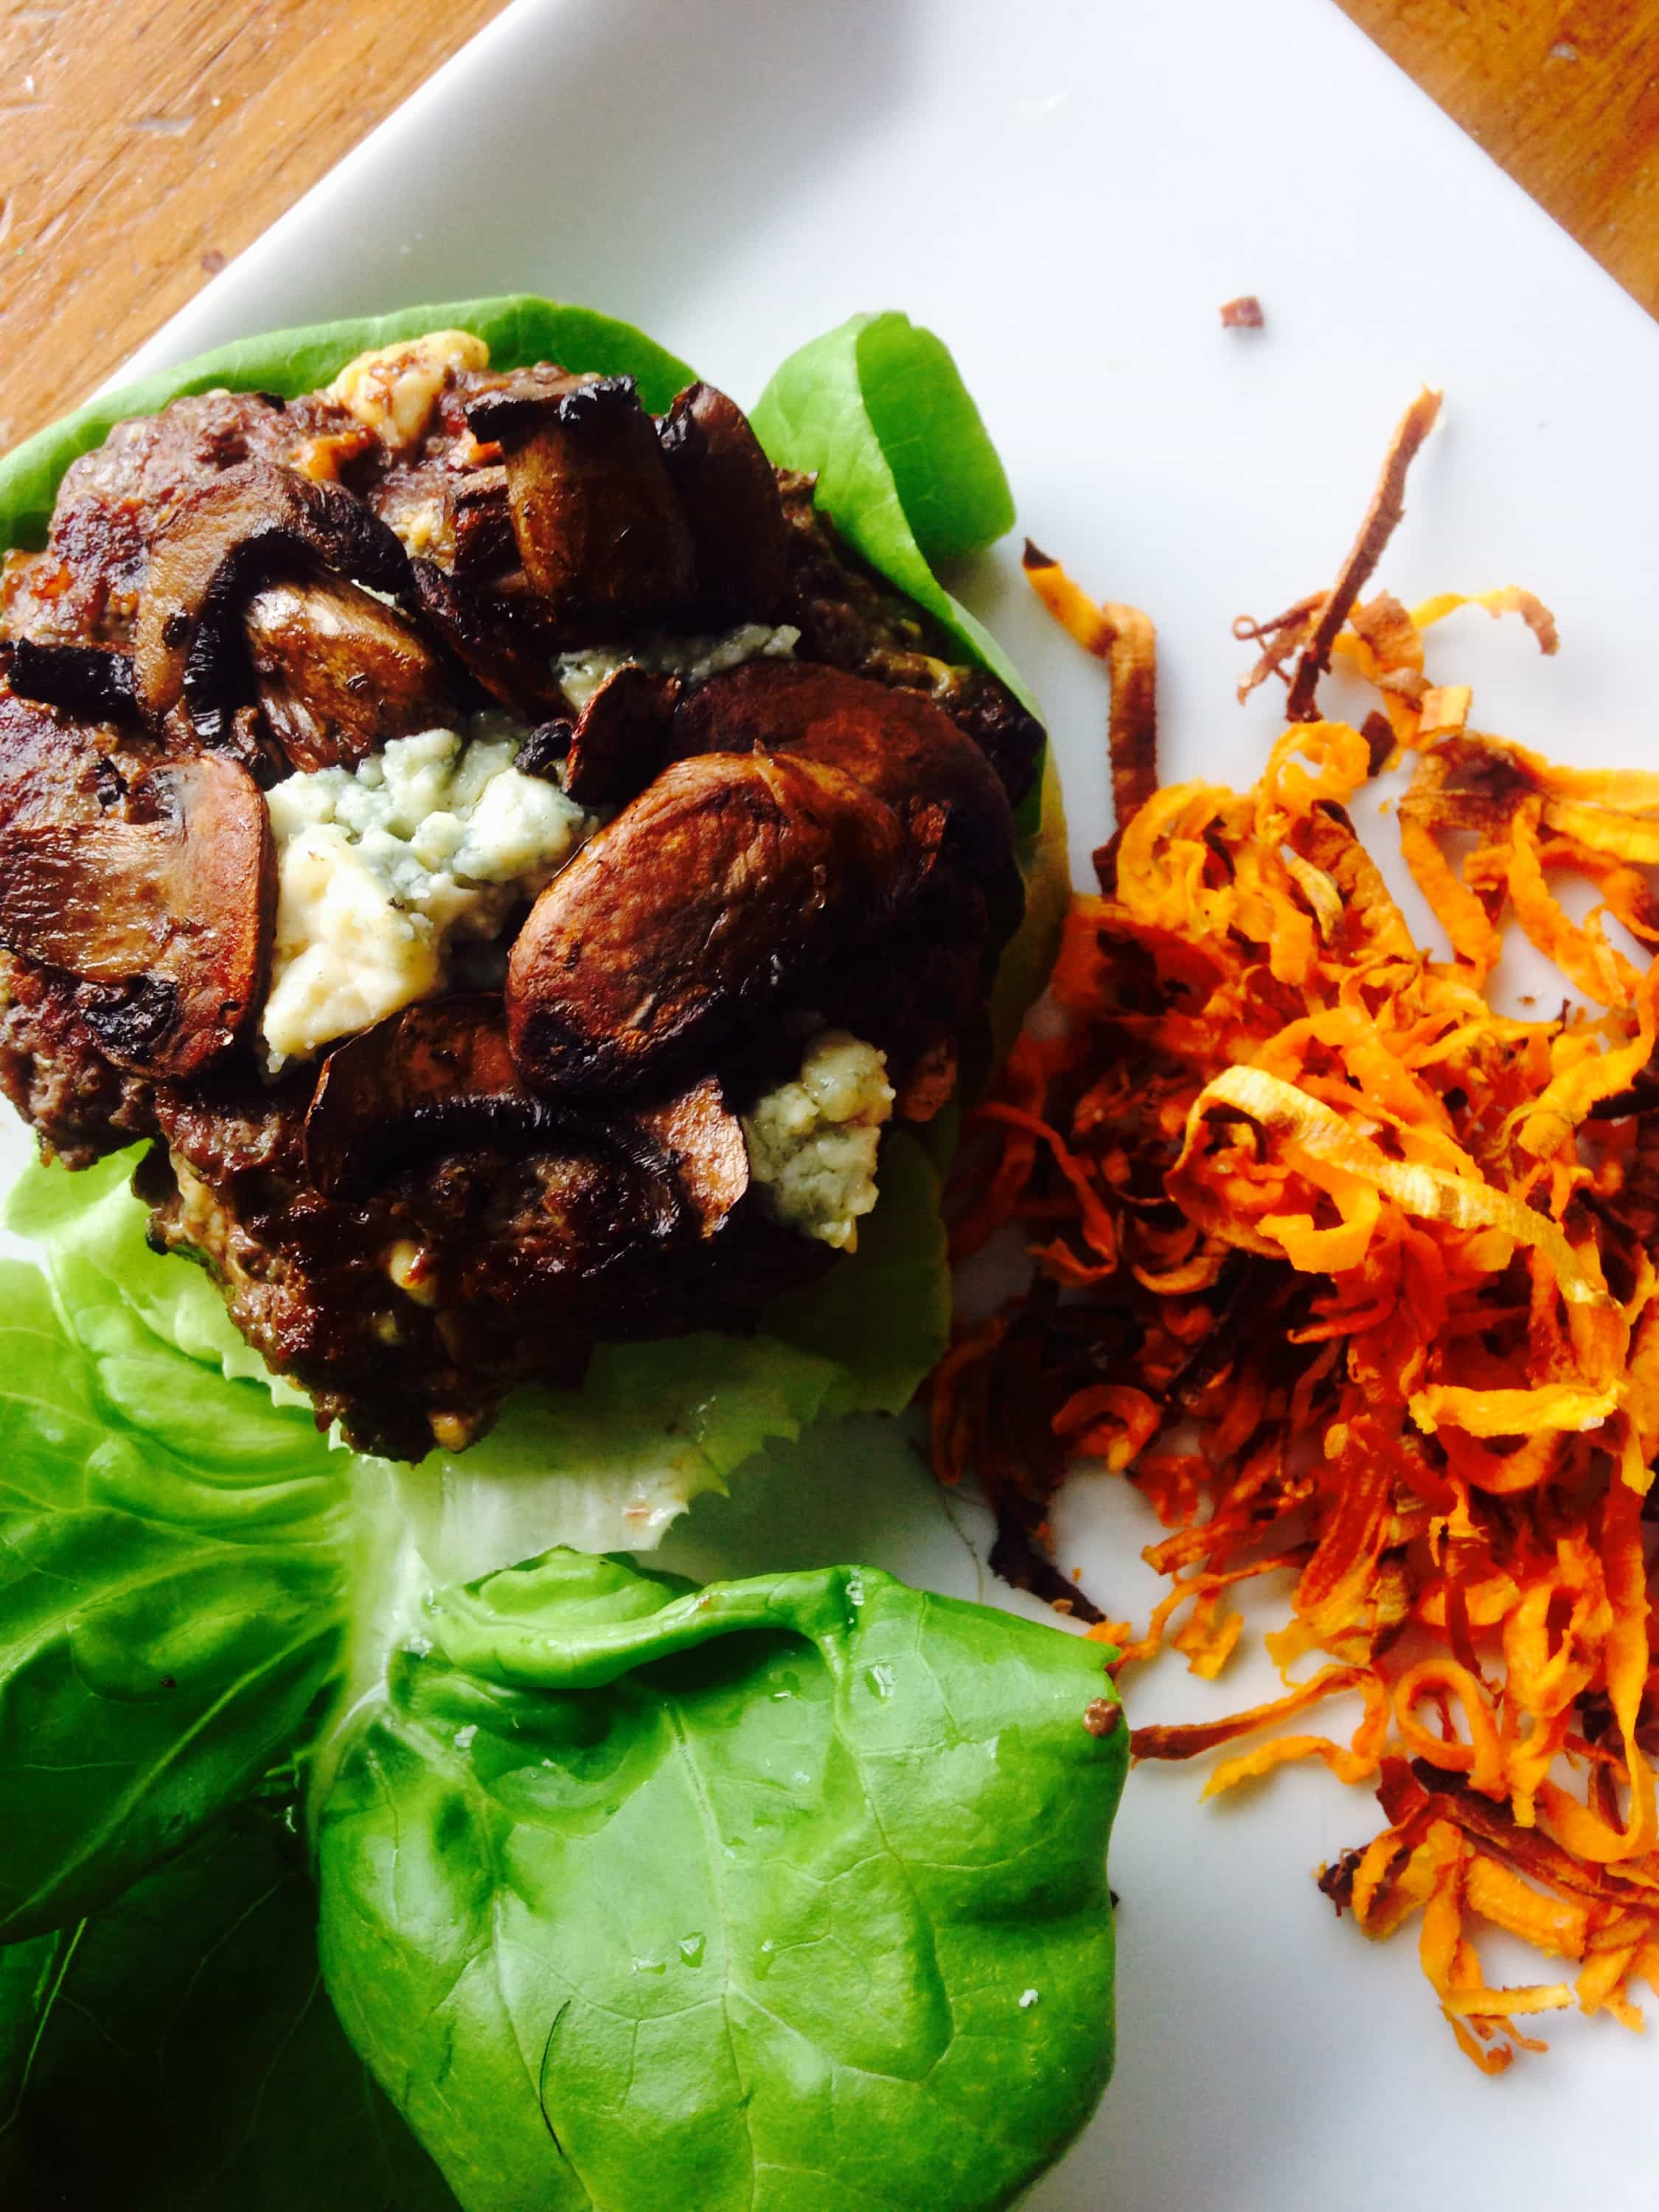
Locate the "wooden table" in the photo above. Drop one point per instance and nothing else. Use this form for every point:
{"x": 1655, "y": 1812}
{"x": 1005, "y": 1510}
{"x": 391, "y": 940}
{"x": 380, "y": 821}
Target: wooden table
{"x": 147, "y": 141}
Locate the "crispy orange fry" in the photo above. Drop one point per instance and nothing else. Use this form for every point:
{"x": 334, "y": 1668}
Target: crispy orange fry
{"x": 1123, "y": 637}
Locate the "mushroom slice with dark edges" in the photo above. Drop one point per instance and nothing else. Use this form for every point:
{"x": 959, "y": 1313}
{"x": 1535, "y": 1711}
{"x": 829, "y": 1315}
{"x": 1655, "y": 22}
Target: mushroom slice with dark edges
{"x": 85, "y": 680}
{"x": 480, "y": 522}
{"x": 689, "y": 913}
{"x": 704, "y": 1141}
{"x": 220, "y": 545}
{"x": 729, "y": 493}
{"x": 599, "y": 531}
{"x": 163, "y": 913}
{"x": 340, "y": 673}
{"x": 896, "y": 744}
{"x": 622, "y": 735}
{"x": 505, "y": 644}
{"x": 438, "y": 1078}
{"x": 51, "y": 770}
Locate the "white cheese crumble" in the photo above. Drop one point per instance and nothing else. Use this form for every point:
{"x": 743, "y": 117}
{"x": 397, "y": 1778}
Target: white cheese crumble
{"x": 579, "y": 675}
{"x": 381, "y": 867}
{"x": 812, "y": 1143}
{"x": 393, "y": 390}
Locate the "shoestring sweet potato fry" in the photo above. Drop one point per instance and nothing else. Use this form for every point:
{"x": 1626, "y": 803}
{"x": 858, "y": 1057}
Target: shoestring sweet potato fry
{"x": 1356, "y": 1278}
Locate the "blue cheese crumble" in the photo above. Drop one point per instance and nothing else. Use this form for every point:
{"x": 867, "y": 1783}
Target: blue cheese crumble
{"x": 382, "y": 867}
{"x": 813, "y": 1142}
{"x": 696, "y": 658}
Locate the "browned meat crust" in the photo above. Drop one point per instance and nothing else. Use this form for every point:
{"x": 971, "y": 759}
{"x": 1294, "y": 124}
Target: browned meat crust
{"x": 470, "y": 1195}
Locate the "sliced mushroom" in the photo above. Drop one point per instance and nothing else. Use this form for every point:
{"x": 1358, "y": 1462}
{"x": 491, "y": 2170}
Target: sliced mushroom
{"x": 545, "y": 751}
{"x": 51, "y": 770}
{"x": 622, "y": 737}
{"x": 704, "y": 1141}
{"x": 729, "y": 493}
{"x": 896, "y": 744}
{"x": 690, "y": 912}
{"x": 599, "y": 530}
{"x": 220, "y": 545}
{"x": 913, "y": 995}
{"x": 505, "y": 644}
{"x": 85, "y": 680}
{"x": 164, "y": 914}
{"x": 340, "y": 673}
{"x": 481, "y": 522}
{"x": 438, "y": 1078}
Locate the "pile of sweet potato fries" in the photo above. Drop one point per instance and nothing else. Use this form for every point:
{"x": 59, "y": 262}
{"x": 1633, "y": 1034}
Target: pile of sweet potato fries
{"x": 1357, "y": 1279}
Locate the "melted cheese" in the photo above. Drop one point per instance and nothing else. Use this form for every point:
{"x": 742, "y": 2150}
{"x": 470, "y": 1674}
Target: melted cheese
{"x": 393, "y": 390}
{"x": 579, "y": 675}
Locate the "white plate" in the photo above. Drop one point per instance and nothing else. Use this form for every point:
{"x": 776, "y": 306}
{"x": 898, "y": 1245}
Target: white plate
{"x": 1067, "y": 190}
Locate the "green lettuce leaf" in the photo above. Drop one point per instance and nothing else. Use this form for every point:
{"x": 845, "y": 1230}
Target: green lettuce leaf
{"x": 868, "y": 408}
{"x": 908, "y": 475}
{"x": 117, "y": 1295}
{"x": 178, "y": 2054}
{"x": 171, "y": 1611}
{"x": 786, "y": 1895}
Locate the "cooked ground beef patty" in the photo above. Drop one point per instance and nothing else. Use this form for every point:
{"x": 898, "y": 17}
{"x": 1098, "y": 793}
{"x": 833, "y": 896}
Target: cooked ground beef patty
{"x": 782, "y": 815}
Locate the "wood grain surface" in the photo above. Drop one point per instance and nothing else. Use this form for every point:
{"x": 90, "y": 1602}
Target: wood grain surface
{"x": 142, "y": 142}
{"x": 1564, "y": 93}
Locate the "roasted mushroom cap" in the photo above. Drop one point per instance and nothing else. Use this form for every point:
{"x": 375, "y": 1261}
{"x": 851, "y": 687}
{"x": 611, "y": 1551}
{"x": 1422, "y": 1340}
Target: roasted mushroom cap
{"x": 438, "y": 1078}
{"x": 480, "y": 522}
{"x": 164, "y": 914}
{"x": 622, "y": 737}
{"x": 913, "y": 996}
{"x": 896, "y": 744}
{"x": 84, "y": 680}
{"x": 703, "y": 1141}
{"x": 340, "y": 673}
{"x": 221, "y": 544}
{"x": 729, "y": 494}
{"x": 51, "y": 770}
{"x": 505, "y": 642}
{"x": 688, "y": 913}
{"x": 599, "y": 531}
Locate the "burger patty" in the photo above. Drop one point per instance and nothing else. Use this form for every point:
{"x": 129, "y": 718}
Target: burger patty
{"x": 546, "y": 1147}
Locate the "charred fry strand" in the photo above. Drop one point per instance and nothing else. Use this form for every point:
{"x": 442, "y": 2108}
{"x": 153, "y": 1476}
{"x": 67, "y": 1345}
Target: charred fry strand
{"x": 1357, "y": 1280}
{"x": 1381, "y": 519}
{"x": 1124, "y": 638}
{"x": 346, "y": 854}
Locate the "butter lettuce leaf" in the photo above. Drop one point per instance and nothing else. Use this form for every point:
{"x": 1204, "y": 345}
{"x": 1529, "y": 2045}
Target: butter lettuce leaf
{"x": 177, "y": 2053}
{"x": 778, "y": 1896}
{"x": 905, "y": 468}
{"x": 171, "y": 1611}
